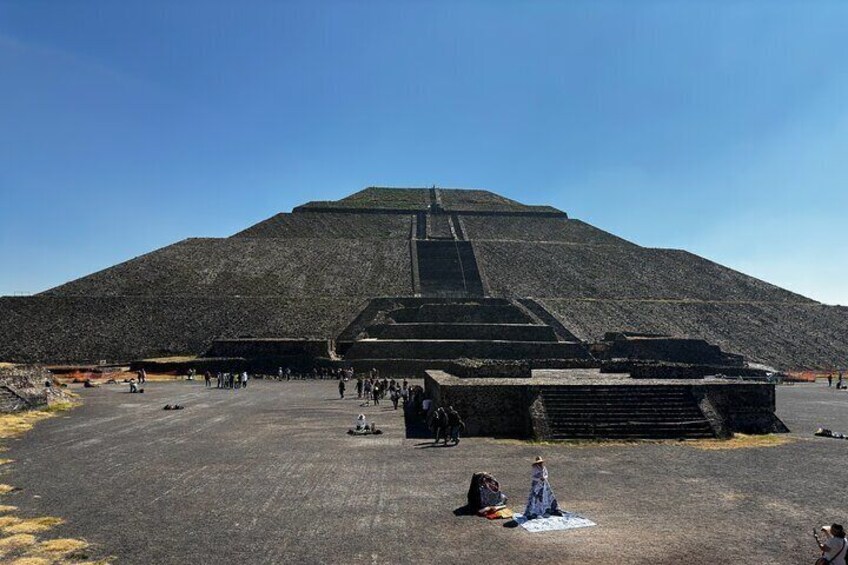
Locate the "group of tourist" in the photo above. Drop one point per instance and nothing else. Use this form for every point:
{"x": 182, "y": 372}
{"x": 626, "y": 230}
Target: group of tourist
{"x": 840, "y": 384}
{"x": 232, "y": 381}
{"x": 373, "y": 389}
{"x": 446, "y": 423}
{"x": 316, "y": 373}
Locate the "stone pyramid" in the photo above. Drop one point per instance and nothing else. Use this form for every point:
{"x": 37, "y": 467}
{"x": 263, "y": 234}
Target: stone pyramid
{"x": 333, "y": 270}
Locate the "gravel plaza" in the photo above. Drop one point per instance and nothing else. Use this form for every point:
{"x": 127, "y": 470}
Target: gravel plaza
{"x": 268, "y": 475}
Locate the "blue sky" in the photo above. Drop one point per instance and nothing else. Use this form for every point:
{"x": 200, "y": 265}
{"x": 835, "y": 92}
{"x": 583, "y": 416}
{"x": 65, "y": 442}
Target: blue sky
{"x": 717, "y": 127}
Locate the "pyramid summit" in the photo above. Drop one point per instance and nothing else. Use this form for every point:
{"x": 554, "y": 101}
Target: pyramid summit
{"x": 410, "y": 274}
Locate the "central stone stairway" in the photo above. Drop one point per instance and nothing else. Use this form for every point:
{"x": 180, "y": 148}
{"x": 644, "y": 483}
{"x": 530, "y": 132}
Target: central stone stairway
{"x": 448, "y": 268}
{"x": 449, "y": 318}
{"x": 416, "y": 334}
{"x": 624, "y": 412}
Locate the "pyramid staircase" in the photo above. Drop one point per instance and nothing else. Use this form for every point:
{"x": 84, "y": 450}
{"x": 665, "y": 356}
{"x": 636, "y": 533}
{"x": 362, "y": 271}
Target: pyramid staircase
{"x": 624, "y": 412}
{"x": 450, "y": 317}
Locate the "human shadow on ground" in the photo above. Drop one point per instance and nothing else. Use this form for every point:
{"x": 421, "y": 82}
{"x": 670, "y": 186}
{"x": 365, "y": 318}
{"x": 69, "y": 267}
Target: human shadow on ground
{"x": 430, "y": 444}
{"x": 510, "y": 524}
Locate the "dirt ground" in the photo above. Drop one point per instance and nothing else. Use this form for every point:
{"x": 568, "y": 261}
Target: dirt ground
{"x": 268, "y": 475}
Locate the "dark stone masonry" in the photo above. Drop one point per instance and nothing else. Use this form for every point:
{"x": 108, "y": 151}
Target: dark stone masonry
{"x": 468, "y": 282}
{"x": 310, "y": 273}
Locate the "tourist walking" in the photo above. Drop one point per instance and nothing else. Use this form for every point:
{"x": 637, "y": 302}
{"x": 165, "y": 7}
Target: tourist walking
{"x": 375, "y": 393}
{"x": 455, "y": 424}
{"x": 244, "y": 379}
{"x": 359, "y": 388}
{"x": 440, "y": 422}
{"x": 341, "y": 388}
{"x": 207, "y": 377}
{"x": 541, "y": 501}
{"x": 829, "y": 380}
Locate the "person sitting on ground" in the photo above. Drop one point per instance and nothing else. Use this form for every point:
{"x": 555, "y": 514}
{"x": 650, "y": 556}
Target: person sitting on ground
{"x": 363, "y": 427}
{"x": 834, "y": 547}
{"x": 484, "y": 494}
{"x": 361, "y": 424}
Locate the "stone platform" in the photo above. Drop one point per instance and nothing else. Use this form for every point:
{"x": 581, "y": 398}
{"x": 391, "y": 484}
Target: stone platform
{"x": 588, "y": 404}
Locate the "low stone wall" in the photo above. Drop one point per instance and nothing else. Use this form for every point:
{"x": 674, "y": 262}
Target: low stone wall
{"x": 496, "y": 410}
{"x": 673, "y": 371}
{"x": 269, "y": 348}
{"x": 490, "y": 368}
{"x": 675, "y": 350}
{"x": 746, "y": 408}
{"x": 201, "y": 365}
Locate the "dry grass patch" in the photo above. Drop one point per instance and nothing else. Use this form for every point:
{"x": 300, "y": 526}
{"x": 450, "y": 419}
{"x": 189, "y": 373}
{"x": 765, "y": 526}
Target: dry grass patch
{"x": 5, "y": 461}
{"x": 7, "y": 508}
{"x": 6, "y": 521}
{"x": 13, "y": 425}
{"x": 32, "y": 561}
{"x": 33, "y": 525}
{"x": 16, "y": 541}
{"x": 739, "y": 441}
{"x": 61, "y": 406}
{"x": 5, "y": 489}
{"x": 18, "y": 423}
{"x": 61, "y": 546}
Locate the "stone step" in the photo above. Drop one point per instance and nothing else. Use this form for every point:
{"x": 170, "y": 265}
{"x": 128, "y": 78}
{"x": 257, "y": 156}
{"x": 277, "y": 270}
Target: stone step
{"x": 624, "y": 412}
{"x": 461, "y": 313}
{"x": 470, "y": 349}
{"x": 638, "y": 435}
{"x": 508, "y": 332}
{"x": 609, "y": 410}
{"x": 448, "y": 268}
{"x": 623, "y": 416}
{"x": 611, "y": 401}
{"x": 601, "y": 392}
{"x": 634, "y": 424}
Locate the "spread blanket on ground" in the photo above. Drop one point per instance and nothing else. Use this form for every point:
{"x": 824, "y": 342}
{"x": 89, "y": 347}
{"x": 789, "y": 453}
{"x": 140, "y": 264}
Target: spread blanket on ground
{"x": 568, "y": 521}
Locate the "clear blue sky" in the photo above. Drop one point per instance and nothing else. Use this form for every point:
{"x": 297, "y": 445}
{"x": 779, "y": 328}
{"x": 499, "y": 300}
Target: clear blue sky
{"x": 720, "y": 127}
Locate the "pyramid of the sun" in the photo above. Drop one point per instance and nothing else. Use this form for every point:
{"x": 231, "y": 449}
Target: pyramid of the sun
{"x": 310, "y": 273}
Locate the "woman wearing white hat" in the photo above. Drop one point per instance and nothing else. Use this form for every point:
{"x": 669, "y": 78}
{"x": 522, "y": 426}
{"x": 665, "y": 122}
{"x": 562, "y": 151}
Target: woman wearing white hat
{"x": 541, "y": 501}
